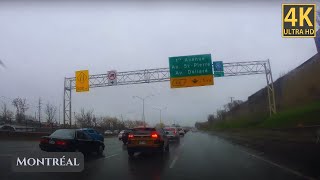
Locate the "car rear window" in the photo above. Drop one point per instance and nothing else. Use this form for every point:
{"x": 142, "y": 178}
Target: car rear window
{"x": 169, "y": 129}
{"x": 142, "y": 130}
{"x": 63, "y": 133}
{"x": 91, "y": 131}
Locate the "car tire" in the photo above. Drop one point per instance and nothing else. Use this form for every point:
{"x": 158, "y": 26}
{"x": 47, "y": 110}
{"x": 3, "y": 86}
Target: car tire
{"x": 100, "y": 150}
{"x": 131, "y": 153}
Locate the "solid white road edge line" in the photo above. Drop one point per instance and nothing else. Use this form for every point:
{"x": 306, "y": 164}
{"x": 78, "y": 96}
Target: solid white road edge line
{"x": 279, "y": 166}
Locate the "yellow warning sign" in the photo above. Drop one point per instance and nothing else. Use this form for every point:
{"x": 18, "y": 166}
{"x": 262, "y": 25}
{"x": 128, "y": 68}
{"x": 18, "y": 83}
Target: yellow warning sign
{"x": 191, "y": 81}
{"x": 82, "y": 81}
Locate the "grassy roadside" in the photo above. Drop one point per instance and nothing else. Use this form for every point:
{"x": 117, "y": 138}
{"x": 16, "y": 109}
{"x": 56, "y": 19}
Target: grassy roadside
{"x": 295, "y": 117}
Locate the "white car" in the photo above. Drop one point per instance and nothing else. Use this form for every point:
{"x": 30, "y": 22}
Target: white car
{"x": 108, "y": 132}
{"x": 120, "y": 135}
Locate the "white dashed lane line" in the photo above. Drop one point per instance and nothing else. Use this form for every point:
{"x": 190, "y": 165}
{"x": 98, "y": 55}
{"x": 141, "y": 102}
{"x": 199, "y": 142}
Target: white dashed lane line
{"x": 176, "y": 157}
{"x": 107, "y": 157}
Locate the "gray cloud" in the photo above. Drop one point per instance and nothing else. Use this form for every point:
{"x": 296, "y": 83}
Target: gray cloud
{"x": 43, "y": 43}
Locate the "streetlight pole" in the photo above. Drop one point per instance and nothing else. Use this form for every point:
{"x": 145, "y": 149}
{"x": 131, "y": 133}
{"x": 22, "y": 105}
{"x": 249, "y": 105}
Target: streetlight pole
{"x": 160, "y": 110}
{"x": 59, "y": 113}
{"x": 143, "y": 99}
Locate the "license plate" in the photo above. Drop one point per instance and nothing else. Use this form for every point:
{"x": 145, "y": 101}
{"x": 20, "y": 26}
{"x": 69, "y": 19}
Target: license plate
{"x": 51, "y": 142}
{"x": 142, "y": 142}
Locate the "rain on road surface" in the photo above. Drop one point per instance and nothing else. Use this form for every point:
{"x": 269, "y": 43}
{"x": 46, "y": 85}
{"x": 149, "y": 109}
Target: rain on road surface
{"x": 197, "y": 156}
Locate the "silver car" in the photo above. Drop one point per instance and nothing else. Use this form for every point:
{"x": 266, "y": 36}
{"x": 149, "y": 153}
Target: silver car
{"x": 172, "y": 133}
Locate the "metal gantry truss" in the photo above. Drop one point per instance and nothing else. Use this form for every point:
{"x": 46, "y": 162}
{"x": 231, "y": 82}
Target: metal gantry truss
{"x": 162, "y": 75}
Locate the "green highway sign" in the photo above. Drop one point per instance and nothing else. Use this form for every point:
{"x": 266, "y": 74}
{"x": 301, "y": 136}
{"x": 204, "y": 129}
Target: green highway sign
{"x": 218, "y": 68}
{"x": 190, "y": 71}
{"x": 195, "y": 65}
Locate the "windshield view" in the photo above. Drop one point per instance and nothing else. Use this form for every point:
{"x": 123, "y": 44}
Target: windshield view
{"x": 159, "y": 89}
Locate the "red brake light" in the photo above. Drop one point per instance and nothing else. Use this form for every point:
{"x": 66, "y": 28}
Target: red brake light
{"x": 130, "y": 136}
{"x": 61, "y": 143}
{"x": 154, "y": 135}
{"x": 44, "y": 141}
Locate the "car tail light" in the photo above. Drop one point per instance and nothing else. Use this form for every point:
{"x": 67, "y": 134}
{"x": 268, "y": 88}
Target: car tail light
{"x": 130, "y": 136}
{"x": 62, "y": 143}
{"x": 44, "y": 140}
{"x": 154, "y": 135}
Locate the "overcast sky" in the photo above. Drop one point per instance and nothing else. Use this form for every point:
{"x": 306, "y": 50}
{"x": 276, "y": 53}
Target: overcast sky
{"x": 41, "y": 43}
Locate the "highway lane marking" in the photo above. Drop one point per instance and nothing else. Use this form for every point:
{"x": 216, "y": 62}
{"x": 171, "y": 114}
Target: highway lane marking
{"x": 173, "y": 162}
{"x": 176, "y": 157}
{"x": 110, "y": 156}
{"x": 280, "y": 166}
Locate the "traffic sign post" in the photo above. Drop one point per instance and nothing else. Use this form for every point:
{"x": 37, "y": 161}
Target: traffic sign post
{"x": 112, "y": 78}
{"x": 190, "y": 71}
{"x": 218, "y": 68}
{"x": 82, "y": 81}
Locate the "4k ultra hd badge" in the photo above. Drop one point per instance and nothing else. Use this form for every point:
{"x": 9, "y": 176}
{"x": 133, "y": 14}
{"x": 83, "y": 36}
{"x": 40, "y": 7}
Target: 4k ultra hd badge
{"x": 299, "y": 20}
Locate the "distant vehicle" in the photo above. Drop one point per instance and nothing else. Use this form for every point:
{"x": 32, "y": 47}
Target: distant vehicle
{"x": 181, "y": 132}
{"x": 94, "y": 134}
{"x": 71, "y": 140}
{"x": 172, "y": 133}
{"x": 125, "y": 135}
{"x": 108, "y": 132}
{"x": 186, "y": 130}
{"x": 8, "y": 128}
{"x": 120, "y": 135}
{"x": 147, "y": 139}
{"x": 115, "y": 131}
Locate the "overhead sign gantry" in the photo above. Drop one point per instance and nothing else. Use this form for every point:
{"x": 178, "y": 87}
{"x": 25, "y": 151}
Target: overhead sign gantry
{"x": 163, "y": 74}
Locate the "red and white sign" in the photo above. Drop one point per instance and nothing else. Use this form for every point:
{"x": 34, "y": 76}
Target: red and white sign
{"x": 112, "y": 78}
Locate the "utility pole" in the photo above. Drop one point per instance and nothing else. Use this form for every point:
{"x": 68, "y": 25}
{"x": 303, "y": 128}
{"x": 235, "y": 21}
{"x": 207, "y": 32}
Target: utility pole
{"x": 231, "y": 98}
{"x": 39, "y": 111}
{"x": 75, "y": 124}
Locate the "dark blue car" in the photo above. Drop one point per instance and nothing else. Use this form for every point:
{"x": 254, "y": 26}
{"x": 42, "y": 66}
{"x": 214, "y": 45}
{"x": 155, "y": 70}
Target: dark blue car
{"x": 94, "y": 134}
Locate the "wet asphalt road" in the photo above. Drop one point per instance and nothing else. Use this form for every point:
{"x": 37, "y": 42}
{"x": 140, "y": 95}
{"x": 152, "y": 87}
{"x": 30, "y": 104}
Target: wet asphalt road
{"x": 197, "y": 156}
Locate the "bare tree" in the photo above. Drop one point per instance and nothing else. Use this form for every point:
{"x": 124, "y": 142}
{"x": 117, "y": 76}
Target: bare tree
{"x": 211, "y": 118}
{"x": 6, "y": 114}
{"x": 21, "y": 107}
{"x": 50, "y": 111}
{"x": 232, "y": 105}
{"x": 221, "y": 114}
{"x": 85, "y": 118}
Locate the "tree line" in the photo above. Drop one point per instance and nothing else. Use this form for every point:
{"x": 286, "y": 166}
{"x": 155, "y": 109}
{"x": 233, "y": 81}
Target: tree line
{"x": 221, "y": 114}
{"x": 87, "y": 119}
{"x": 83, "y": 119}
{"x": 21, "y": 107}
